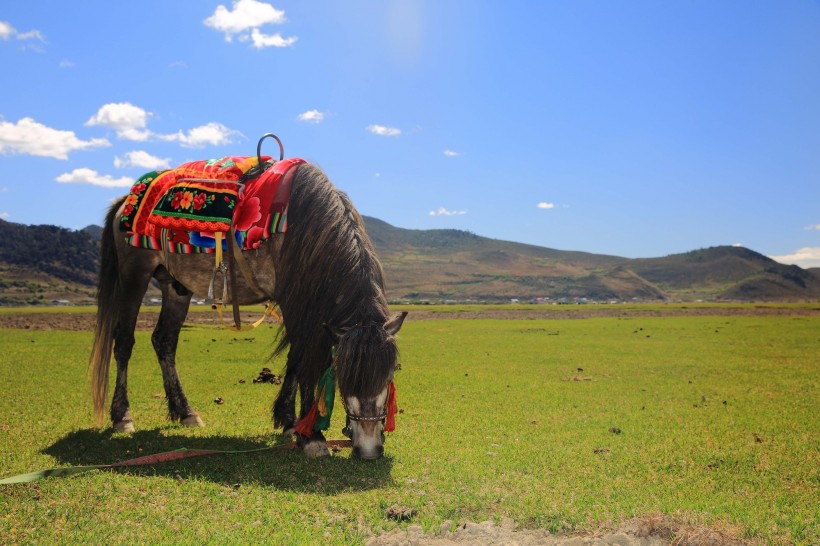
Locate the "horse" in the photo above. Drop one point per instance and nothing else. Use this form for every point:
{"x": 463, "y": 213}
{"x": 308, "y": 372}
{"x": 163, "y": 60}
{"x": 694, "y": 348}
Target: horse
{"x": 324, "y": 275}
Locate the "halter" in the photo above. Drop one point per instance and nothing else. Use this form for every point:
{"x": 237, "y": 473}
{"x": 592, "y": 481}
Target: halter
{"x": 359, "y": 418}
{"x": 354, "y": 417}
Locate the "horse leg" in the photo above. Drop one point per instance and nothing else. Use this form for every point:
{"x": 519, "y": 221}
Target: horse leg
{"x": 175, "y": 301}
{"x": 316, "y": 444}
{"x": 284, "y": 409}
{"x": 133, "y": 288}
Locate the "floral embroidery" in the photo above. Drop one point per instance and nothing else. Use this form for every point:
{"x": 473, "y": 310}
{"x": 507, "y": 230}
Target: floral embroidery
{"x": 187, "y": 200}
{"x": 247, "y": 213}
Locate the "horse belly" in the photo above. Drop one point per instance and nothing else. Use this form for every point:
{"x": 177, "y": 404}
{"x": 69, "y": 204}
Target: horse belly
{"x": 196, "y": 272}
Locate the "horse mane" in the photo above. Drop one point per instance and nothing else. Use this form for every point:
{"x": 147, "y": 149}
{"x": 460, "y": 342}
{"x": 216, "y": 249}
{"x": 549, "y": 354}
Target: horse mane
{"x": 328, "y": 274}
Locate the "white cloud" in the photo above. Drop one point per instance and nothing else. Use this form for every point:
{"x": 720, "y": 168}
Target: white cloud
{"x": 90, "y": 176}
{"x": 246, "y": 14}
{"x": 262, "y": 40}
{"x": 311, "y": 116}
{"x": 7, "y": 31}
{"x": 444, "y": 212}
{"x": 31, "y": 35}
{"x": 4, "y": 189}
{"x": 142, "y": 159}
{"x": 804, "y": 257}
{"x": 130, "y": 123}
{"x": 381, "y": 130}
{"x": 451, "y": 153}
{"x": 29, "y": 137}
{"x": 210, "y": 134}
{"x": 127, "y": 120}
{"x": 4, "y": 215}
{"x": 245, "y": 19}
{"x": 66, "y": 64}
{"x": 545, "y": 205}
{"x": 813, "y": 227}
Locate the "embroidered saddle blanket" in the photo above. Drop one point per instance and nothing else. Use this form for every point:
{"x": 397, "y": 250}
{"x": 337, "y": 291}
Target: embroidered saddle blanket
{"x": 181, "y": 209}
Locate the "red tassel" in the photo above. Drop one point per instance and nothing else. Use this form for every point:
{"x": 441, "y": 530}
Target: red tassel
{"x": 392, "y": 408}
{"x": 305, "y": 425}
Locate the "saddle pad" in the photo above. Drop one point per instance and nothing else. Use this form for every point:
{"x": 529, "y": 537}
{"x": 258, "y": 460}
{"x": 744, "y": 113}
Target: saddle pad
{"x": 188, "y": 204}
{"x": 196, "y": 205}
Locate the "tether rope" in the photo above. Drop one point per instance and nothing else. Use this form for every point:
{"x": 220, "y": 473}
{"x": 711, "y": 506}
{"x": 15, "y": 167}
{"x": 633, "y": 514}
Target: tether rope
{"x": 182, "y": 453}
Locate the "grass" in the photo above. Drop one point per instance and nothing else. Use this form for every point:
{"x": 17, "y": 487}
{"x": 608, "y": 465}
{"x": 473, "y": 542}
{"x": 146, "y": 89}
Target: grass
{"x": 502, "y": 419}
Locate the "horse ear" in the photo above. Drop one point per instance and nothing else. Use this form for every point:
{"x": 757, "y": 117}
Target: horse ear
{"x": 394, "y": 324}
{"x": 335, "y": 333}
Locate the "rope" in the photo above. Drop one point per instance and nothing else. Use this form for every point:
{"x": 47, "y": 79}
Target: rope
{"x": 183, "y": 453}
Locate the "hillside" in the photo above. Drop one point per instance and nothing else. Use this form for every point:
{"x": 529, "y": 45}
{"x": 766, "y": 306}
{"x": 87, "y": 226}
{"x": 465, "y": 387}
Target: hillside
{"x": 457, "y": 265}
{"x": 39, "y": 264}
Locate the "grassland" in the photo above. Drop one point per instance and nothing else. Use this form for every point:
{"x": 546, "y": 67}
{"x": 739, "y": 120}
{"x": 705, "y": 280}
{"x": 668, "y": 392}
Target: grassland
{"x": 501, "y": 419}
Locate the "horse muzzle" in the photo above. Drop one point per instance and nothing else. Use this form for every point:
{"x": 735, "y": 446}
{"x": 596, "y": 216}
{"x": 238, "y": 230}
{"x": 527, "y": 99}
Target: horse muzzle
{"x": 367, "y": 438}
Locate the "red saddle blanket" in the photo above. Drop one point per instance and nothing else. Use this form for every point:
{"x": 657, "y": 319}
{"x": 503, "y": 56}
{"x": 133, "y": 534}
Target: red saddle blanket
{"x": 181, "y": 209}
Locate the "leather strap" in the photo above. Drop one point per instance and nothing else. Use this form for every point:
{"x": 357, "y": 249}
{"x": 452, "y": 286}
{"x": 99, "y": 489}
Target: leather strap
{"x": 232, "y": 274}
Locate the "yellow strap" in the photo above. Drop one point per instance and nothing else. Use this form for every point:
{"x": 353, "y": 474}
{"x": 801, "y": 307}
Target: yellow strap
{"x": 269, "y": 312}
{"x": 218, "y": 235}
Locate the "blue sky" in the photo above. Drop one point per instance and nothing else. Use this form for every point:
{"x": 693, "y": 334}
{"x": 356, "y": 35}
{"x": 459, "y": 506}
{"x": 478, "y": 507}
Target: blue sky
{"x": 631, "y": 128}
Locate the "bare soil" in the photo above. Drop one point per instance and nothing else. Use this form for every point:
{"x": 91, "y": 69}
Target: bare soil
{"x": 50, "y": 320}
{"x": 647, "y": 531}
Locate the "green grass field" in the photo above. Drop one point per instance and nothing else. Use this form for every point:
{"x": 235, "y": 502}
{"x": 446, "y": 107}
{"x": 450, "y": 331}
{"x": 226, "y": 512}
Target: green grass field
{"x": 718, "y": 420}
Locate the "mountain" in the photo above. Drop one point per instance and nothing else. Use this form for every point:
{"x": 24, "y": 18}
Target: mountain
{"x": 458, "y": 265}
{"x": 40, "y": 264}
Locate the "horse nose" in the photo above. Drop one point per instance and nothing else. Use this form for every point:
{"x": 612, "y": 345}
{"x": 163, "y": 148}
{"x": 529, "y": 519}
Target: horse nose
{"x": 368, "y": 455}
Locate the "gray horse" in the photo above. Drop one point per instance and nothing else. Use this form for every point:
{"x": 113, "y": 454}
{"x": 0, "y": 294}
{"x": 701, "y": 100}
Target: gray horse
{"x": 322, "y": 272}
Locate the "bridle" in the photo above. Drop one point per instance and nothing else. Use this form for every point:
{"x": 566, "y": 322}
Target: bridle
{"x": 360, "y": 418}
{"x": 354, "y": 417}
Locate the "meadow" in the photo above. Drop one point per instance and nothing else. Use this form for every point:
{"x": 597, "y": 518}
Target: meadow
{"x": 571, "y": 425}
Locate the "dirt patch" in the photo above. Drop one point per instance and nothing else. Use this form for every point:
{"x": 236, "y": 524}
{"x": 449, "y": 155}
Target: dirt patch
{"x": 50, "y": 320}
{"x": 85, "y": 321}
{"x": 582, "y": 312}
{"x": 649, "y": 531}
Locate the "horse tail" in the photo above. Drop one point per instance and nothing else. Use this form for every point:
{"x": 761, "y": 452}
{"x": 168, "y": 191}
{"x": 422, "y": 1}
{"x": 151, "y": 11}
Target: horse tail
{"x": 108, "y": 288}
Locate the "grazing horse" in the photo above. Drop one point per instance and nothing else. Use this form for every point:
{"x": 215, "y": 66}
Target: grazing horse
{"x": 324, "y": 275}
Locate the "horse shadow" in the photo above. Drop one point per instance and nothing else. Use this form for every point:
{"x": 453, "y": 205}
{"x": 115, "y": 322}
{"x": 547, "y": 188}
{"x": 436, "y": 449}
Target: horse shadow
{"x": 278, "y": 466}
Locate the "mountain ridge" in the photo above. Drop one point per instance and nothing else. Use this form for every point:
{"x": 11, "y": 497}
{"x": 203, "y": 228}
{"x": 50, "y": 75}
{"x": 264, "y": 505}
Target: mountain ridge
{"x": 42, "y": 264}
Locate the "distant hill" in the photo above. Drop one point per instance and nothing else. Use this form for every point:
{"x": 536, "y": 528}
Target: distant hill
{"x": 39, "y": 264}
{"x": 458, "y": 265}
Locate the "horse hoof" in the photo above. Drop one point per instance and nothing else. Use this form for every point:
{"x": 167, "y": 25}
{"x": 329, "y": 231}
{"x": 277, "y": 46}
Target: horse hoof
{"x": 124, "y": 426}
{"x": 192, "y": 421}
{"x": 316, "y": 449}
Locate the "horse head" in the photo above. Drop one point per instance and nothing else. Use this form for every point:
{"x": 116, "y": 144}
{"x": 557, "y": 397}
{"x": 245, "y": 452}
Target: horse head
{"x": 366, "y": 358}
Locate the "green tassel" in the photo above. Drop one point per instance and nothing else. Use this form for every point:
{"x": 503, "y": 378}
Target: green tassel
{"x": 327, "y": 395}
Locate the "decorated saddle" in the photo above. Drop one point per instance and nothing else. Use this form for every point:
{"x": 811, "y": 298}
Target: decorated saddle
{"x": 182, "y": 209}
